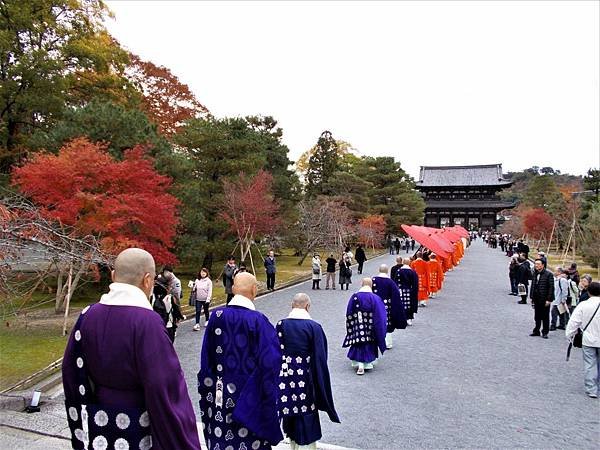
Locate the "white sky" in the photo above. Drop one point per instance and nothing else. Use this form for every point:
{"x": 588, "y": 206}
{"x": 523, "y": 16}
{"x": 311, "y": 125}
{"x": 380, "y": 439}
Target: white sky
{"x": 431, "y": 83}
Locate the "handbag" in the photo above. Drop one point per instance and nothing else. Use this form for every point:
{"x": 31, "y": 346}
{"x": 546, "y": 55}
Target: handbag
{"x": 192, "y": 299}
{"x": 578, "y": 338}
{"x": 521, "y": 289}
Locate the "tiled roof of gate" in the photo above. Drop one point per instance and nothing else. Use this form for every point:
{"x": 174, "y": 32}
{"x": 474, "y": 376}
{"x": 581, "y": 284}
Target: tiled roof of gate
{"x": 483, "y": 175}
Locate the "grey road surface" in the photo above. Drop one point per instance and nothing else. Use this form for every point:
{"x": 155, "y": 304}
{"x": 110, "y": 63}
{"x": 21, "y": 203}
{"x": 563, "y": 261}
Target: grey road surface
{"x": 466, "y": 375}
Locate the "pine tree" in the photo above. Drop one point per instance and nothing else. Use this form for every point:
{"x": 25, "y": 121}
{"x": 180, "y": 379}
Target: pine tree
{"x": 321, "y": 165}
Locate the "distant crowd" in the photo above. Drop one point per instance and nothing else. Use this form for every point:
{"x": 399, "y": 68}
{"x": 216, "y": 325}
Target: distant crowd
{"x": 561, "y": 298}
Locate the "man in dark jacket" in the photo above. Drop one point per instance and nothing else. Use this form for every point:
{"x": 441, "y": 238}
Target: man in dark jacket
{"x": 271, "y": 269}
{"x": 542, "y": 295}
{"x": 523, "y": 275}
{"x": 360, "y": 257}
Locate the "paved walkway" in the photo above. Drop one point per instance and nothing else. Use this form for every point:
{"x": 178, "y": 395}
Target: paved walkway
{"x": 465, "y": 375}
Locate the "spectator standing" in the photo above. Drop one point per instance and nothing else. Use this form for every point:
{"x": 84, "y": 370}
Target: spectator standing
{"x": 173, "y": 284}
{"x": 523, "y": 277}
{"x": 229, "y": 272}
{"x": 587, "y": 318}
{"x": 390, "y": 244}
{"x": 542, "y": 295}
{"x": 512, "y": 274}
{"x": 330, "y": 274}
{"x": 316, "y": 271}
{"x": 584, "y": 284}
{"x": 542, "y": 256}
{"x": 345, "y": 273}
{"x": 573, "y": 273}
{"x": 561, "y": 293}
{"x": 271, "y": 269}
{"x": 360, "y": 257}
{"x": 201, "y": 296}
{"x": 412, "y": 244}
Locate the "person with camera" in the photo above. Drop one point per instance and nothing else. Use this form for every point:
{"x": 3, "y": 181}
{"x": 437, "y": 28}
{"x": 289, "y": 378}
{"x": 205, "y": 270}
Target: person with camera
{"x": 586, "y": 315}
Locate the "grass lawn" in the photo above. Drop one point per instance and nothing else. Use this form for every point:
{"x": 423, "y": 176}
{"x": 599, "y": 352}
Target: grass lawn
{"x": 27, "y": 346}
{"x": 24, "y": 351}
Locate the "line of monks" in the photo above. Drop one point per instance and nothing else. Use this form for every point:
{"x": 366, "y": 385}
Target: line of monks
{"x": 390, "y": 300}
{"x": 125, "y": 388}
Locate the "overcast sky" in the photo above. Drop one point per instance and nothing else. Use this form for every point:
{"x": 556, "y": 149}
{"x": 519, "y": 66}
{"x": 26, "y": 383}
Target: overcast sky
{"x": 431, "y": 83}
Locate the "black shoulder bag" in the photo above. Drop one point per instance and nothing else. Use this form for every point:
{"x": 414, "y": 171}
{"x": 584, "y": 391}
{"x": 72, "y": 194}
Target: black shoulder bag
{"x": 578, "y": 338}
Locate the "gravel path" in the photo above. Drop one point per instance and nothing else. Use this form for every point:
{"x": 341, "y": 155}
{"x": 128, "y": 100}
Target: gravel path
{"x": 465, "y": 375}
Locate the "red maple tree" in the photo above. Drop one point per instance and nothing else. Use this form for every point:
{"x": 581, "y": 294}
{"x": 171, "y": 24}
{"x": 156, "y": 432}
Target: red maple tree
{"x": 123, "y": 203}
{"x": 249, "y": 208}
{"x": 167, "y": 101}
{"x": 371, "y": 230}
{"x": 537, "y": 223}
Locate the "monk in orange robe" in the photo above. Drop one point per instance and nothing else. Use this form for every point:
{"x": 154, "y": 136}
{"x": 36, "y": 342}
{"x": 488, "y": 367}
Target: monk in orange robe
{"x": 422, "y": 268}
{"x": 436, "y": 275}
{"x": 446, "y": 263}
{"x": 456, "y": 254}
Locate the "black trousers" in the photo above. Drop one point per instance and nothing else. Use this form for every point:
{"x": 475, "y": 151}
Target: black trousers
{"x": 270, "y": 281}
{"x": 360, "y": 266}
{"x": 557, "y": 315}
{"x": 201, "y": 306}
{"x": 542, "y": 317}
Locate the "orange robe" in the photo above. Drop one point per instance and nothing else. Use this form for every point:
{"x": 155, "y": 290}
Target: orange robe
{"x": 422, "y": 269}
{"x": 456, "y": 255}
{"x": 436, "y": 275}
{"x": 446, "y": 263}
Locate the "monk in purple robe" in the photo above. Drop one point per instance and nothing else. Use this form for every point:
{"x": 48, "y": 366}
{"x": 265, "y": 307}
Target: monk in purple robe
{"x": 238, "y": 379}
{"x": 388, "y": 291}
{"x": 365, "y": 327}
{"x": 124, "y": 387}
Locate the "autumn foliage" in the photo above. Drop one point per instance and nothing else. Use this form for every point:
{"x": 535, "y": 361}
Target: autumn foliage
{"x": 123, "y": 203}
{"x": 537, "y": 223}
{"x": 371, "y": 230}
{"x": 249, "y": 207}
{"x": 167, "y": 101}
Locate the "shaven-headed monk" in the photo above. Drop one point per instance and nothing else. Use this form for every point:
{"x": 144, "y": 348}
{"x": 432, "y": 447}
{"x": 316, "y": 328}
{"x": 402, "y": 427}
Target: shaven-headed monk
{"x": 388, "y": 291}
{"x": 436, "y": 275}
{"x": 365, "y": 327}
{"x": 124, "y": 387}
{"x": 239, "y": 370}
{"x": 304, "y": 384}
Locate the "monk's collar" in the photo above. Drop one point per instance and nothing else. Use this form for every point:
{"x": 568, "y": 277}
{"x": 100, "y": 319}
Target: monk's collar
{"x": 244, "y": 302}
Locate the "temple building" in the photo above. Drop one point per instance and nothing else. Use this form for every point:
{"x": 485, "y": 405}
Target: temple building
{"x": 463, "y": 195}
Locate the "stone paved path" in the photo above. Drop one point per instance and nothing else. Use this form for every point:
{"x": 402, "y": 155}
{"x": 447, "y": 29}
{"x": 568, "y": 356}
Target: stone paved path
{"x": 465, "y": 375}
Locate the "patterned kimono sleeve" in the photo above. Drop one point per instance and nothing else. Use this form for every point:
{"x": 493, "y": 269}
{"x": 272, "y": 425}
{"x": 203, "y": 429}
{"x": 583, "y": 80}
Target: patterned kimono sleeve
{"x": 398, "y": 312}
{"x": 256, "y": 407}
{"x": 379, "y": 324}
{"x": 171, "y": 414}
{"x": 322, "y": 382}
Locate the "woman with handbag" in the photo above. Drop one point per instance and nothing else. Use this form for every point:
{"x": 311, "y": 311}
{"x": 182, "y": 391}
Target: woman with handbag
{"x": 201, "y": 296}
{"x": 586, "y": 315}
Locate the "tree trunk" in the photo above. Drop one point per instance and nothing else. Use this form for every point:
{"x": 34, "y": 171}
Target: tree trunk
{"x": 59, "y": 291}
{"x": 208, "y": 260}
{"x": 304, "y": 256}
{"x": 68, "y": 299}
